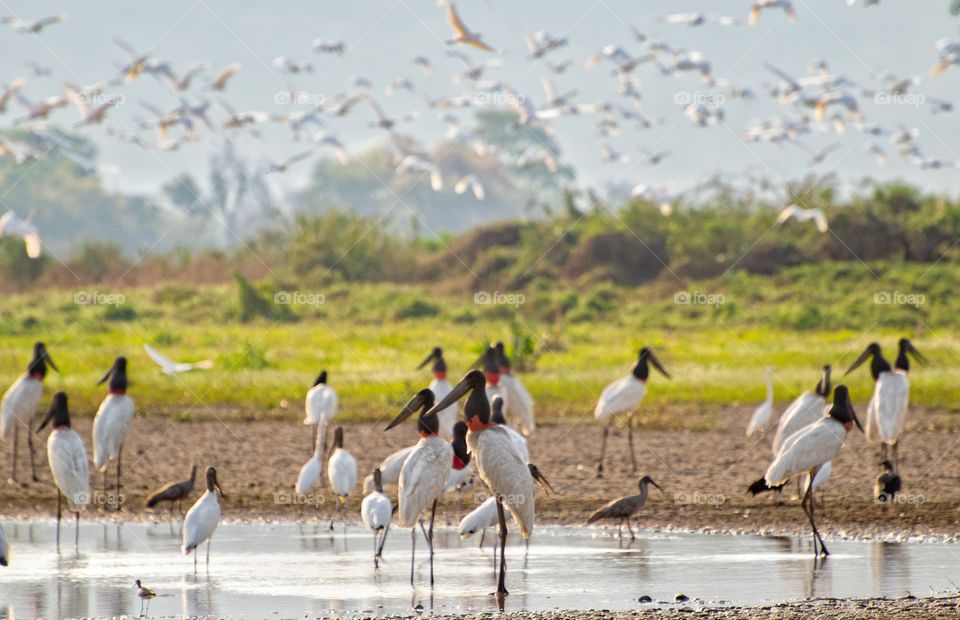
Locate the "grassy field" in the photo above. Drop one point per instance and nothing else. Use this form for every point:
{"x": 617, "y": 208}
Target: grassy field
{"x": 715, "y": 337}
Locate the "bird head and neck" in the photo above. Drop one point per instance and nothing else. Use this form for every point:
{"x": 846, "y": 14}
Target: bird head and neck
{"x": 905, "y": 349}
{"x": 643, "y": 485}
{"x": 38, "y": 365}
{"x": 496, "y": 411}
{"x": 338, "y": 438}
{"x": 476, "y": 411}
{"x": 321, "y": 379}
{"x": 491, "y": 369}
{"x": 842, "y": 409}
{"x": 439, "y": 367}
{"x": 461, "y": 455}
{"x": 117, "y": 375}
{"x": 503, "y": 362}
{"x": 823, "y": 385}
{"x": 213, "y": 485}
{"x": 644, "y": 360}
{"x": 58, "y": 413}
{"x": 377, "y": 480}
{"x": 877, "y": 362}
{"x": 428, "y": 424}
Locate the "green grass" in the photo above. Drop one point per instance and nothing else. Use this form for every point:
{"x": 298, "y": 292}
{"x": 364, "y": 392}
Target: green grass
{"x": 371, "y": 338}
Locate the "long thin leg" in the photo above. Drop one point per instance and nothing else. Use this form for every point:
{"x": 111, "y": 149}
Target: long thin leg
{"x": 383, "y": 540}
{"x": 630, "y": 529}
{"x": 208, "y": 553}
{"x": 896, "y": 454}
{"x": 13, "y": 463}
{"x": 195, "y": 561}
{"x": 117, "y": 498}
{"x": 803, "y": 505}
{"x": 823, "y": 547}
{"x": 376, "y": 563}
{"x": 59, "y": 513}
{"x": 433, "y": 513}
{"x": 483, "y": 534}
{"x": 620, "y": 529}
{"x": 413, "y": 550}
{"x": 633, "y": 456}
{"x": 76, "y": 535}
{"x": 603, "y": 450}
{"x": 501, "y": 584}
{"x": 808, "y": 499}
{"x": 33, "y": 466}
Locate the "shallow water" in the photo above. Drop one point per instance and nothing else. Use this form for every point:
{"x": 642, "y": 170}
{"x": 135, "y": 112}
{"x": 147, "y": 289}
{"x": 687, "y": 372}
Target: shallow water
{"x": 265, "y": 570}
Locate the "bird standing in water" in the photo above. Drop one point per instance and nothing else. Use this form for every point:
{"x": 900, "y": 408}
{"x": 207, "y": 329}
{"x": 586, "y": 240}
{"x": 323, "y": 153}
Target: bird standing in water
{"x": 376, "y": 510}
{"x": 145, "y": 594}
{"x": 68, "y": 462}
{"x": 202, "y": 518}
{"x": 341, "y": 471}
{"x": 173, "y": 492}
{"x": 624, "y": 508}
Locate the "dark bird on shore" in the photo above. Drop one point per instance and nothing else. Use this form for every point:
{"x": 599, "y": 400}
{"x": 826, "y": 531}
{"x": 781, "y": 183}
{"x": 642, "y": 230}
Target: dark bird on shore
{"x": 888, "y": 484}
{"x": 624, "y": 508}
{"x": 173, "y": 492}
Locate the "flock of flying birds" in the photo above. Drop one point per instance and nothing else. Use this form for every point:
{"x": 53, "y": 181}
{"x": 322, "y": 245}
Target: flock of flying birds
{"x": 818, "y": 101}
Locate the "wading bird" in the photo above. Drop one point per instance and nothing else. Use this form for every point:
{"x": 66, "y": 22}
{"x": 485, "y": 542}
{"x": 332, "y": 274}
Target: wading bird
{"x": 519, "y": 399}
{"x": 321, "y": 407}
{"x": 887, "y": 409}
{"x": 424, "y": 474}
{"x": 389, "y": 469}
{"x": 376, "y": 510}
{"x": 171, "y": 367}
{"x": 202, "y": 518}
{"x": 112, "y": 422}
{"x": 479, "y": 519}
{"x": 19, "y": 404}
{"x": 888, "y": 484}
{"x": 341, "y": 471}
{"x": 311, "y": 471}
{"x": 68, "y": 462}
{"x": 761, "y": 415}
{"x": 805, "y": 410}
{"x": 460, "y": 472}
{"x": 173, "y": 492}
{"x": 12, "y": 226}
{"x": 624, "y": 508}
{"x": 808, "y": 450}
{"x": 624, "y": 396}
{"x": 519, "y": 441}
{"x": 145, "y": 594}
{"x": 440, "y": 388}
{"x": 499, "y": 465}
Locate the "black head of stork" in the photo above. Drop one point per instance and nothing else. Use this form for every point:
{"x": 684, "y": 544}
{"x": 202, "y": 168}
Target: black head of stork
{"x": 38, "y": 365}
{"x": 842, "y": 409}
{"x": 212, "y": 483}
{"x": 642, "y": 369}
{"x": 427, "y": 423}
{"x": 877, "y": 365}
{"x": 377, "y": 480}
{"x": 338, "y": 438}
{"x": 476, "y": 411}
{"x": 903, "y": 359}
{"x": 117, "y": 375}
{"x": 496, "y": 411}
{"x": 459, "y": 443}
{"x": 439, "y": 365}
{"x": 503, "y": 362}
{"x": 321, "y": 379}
{"x": 57, "y": 413}
{"x": 823, "y": 385}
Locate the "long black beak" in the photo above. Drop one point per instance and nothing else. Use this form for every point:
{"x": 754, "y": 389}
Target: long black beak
{"x": 107, "y": 376}
{"x": 659, "y": 488}
{"x": 216, "y": 483}
{"x": 49, "y": 360}
{"x": 408, "y": 410}
{"x": 856, "y": 420}
{"x": 656, "y": 364}
{"x": 428, "y": 359}
{"x": 541, "y": 480}
{"x": 917, "y": 355}
{"x": 860, "y": 360}
{"x": 458, "y": 392}
{"x": 46, "y": 419}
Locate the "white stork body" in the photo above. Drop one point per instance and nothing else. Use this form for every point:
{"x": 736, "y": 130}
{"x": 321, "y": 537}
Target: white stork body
{"x": 423, "y": 478}
{"x": 68, "y": 464}
{"x": 342, "y": 473}
{"x": 320, "y": 405}
{"x": 503, "y": 470}
{"x": 761, "y": 415}
{"x": 823, "y": 474}
{"x": 376, "y": 511}
{"x": 390, "y": 468}
{"x": 447, "y": 417}
{"x": 520, "y": 402}
{"x": 479, "y": 519}
{"x": 201, "y": 521}
{"x": 519, "y": 442}
{"x": 309, "y": 475}
{"x": 622, "y": 396}
{"x": 110, "y": 428}
{"x": 808, "y": 449}
{"x": 805, "y": 410}
{"x": 19, "y": 404}
{"x": 887, "y": 409}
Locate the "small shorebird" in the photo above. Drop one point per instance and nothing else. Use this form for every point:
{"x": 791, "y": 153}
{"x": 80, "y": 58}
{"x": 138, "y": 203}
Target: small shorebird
{"x": 624, "y": 508}
{"x": 145, "y": 595}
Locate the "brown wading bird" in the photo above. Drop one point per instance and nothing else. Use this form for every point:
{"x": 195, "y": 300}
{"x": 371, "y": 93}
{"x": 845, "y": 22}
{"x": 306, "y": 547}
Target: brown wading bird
{"x": 624, "y": 508}
{"x": 173, "y": 492}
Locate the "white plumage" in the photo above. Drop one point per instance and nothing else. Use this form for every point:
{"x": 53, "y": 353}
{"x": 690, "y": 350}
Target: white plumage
{"x": 761, "y": 415}
{"x": 802, "y": 215}
{"x": 342, "y": 473}
{"x": 110, "y": 428}
{"x": 809, "y": 448}
{"x": 19, "y": 404}
{"x": 309, "y": 475}
{"x": 376, "y": 511}
{"x": 171, "y": 367}
{"x": 68, "y": 464}
{"x": 201, "y": 521}
{"x": 320, "y": 404}
{"x": 520, "y": 402}
{"x": 479, "y": 519}
{"x": 12, "y": 226}
{"x": 823, "y": 474}
{"x": 621, "y": 396}
{"x": 457, "y": 477}
{"x": 448, "y": 416}
{"x": 423, "y": 478}
{"x": 805, "y": 410}
{"x": 519, "y": 442}
{"x": 887, "y": 408}
{"x": 390, "y": 468}
{"x": 503, "y": 470}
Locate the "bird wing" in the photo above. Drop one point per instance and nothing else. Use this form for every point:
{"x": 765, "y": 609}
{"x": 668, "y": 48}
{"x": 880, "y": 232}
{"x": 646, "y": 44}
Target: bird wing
{"x": 423, "y": 478}
{"x": 453, "y": 18}
{"x": 617, "y": 508}
{"x": 809, "y": 448}
{"x": 520, "y": 402}
{"x": 19, "y": 403}
{"x": 786, "y": 214}
{"x": 760, "y": 418}
{"x": 621, "y": 396}
{"x": 342, "y": 472}
{"x": 68, "y": 464}
{"x": 165, "y": 363}
{"x": 480, "y": 518}
{"x": 805, "y": 410}
{"x": 110, "y": 427}
{"x": 309, "y": 475}
{"x": 891, "y": 393}
{"x": 507, "y": 475}
{"x": 391, "y": 466}
{"x": 201, "y": 521}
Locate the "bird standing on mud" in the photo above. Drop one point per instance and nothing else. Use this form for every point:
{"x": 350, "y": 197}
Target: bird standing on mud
{"x": 20, "y": 402}
{"x": 520, "y": 400}
{"x": 440, "y": 388}
{"x": 112, "y": 422}
{"x": 624, "y": 508}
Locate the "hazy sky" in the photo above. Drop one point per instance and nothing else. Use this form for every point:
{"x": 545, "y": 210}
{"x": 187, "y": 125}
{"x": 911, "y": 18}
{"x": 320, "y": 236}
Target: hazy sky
{"x": 382, "y": 37}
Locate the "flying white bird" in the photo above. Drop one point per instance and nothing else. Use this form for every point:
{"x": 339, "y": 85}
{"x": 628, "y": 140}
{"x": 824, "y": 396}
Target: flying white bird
{"x": 802, "y": 215}
{"x": 171, "y": 367}
{"x": 68, "y": 462}
{"x": 761, "y": 415}
{"x": 472, "y": 183}
{"x": 112, "y": 422}
{"x": 202, "y": 518}
{"x": 760, "y": 5}
{"x": 462, "y": 35}
{"x": 13, "y": 226}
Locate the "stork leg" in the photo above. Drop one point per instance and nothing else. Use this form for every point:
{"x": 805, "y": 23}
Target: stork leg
{"x": 383, "y": 540}
{"x": 413, "y": 551}
{"x": 59, "y": 514}
{"x": 807, "y": 504}
{"x": 501, "y": 582}
{"x": 13, "y": 463}
{"x": 33, "y": 466}
{"x": 483, "y": 534}
{"x": 620, "y": 529}
{"x": 376, "y": 563}
{"x": 195, "y": 561}
{"x": 603, "y": 450}
{"x": 76, "y": 533}
{"x": 633, "y": 455}
{"x": 896, "y": 454}
{"x": 630, "y": 529}
{"x": 433, "y": 514}
{"x": 118, "y": 501}
{"x": 208, "y": 553}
